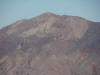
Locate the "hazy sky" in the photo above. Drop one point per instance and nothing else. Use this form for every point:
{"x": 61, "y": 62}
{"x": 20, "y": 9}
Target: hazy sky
{"x": 13, "y": 10}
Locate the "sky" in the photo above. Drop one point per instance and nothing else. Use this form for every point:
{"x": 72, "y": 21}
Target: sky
{"x": 14, "y": 10}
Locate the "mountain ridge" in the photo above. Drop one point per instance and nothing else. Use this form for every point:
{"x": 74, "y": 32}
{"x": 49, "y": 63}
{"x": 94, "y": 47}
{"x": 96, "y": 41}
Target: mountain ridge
{"x": 50, "y": 13}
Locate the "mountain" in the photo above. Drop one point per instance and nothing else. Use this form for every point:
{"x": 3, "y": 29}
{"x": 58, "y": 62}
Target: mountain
{"x": 50, "y": 44}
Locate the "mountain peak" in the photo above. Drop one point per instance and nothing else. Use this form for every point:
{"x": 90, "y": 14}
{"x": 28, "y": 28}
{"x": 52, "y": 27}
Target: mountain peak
{"x": 49, "y": 14}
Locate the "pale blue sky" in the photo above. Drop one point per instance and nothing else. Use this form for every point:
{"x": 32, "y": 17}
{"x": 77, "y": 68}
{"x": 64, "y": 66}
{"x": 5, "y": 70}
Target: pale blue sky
{"x": 13, "y": 10}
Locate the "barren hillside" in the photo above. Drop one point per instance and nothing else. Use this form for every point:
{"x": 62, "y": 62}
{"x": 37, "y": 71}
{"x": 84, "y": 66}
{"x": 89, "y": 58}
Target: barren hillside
{"x": 50, "y": 44}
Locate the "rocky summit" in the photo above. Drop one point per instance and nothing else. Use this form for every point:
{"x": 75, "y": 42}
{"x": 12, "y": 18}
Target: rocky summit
{"x": 50, "y": 44}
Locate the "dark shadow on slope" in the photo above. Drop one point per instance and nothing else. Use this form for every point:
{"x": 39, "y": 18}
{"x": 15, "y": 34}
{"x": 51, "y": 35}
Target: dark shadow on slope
{"x": 91, "y": 39}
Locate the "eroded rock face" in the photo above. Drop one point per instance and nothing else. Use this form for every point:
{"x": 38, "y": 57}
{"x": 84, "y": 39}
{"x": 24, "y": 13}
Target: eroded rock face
{"x": 50, "y": 44}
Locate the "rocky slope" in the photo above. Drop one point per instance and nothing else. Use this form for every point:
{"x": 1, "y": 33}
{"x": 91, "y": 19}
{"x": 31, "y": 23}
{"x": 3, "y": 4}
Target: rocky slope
{"x": 50, "y": 44}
